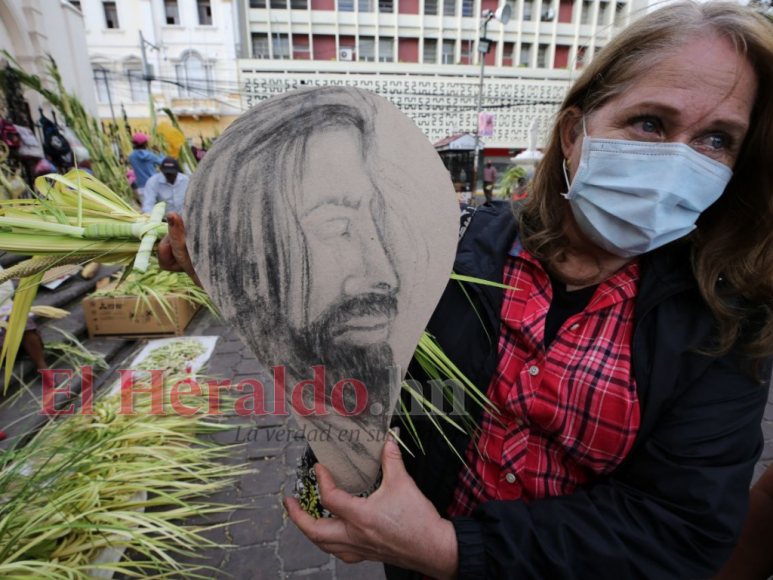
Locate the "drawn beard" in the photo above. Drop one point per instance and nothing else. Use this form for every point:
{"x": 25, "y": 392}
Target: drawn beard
{"x": 322, "y": 344}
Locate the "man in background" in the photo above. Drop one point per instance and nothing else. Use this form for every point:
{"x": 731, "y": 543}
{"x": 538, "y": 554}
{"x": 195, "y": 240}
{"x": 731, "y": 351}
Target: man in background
{"x": 490, "y": 175}
{"x": 143, "y": 162}
{"x": 169, "y": 185}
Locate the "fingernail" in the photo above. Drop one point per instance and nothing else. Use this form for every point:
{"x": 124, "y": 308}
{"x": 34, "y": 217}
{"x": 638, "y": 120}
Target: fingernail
{"x": 171, "y": 221}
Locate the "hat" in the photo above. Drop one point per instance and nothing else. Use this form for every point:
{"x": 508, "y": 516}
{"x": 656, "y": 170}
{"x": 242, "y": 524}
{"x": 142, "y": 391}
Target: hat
{"x": 140, "y": 138}
{"x": 170, "y": 165}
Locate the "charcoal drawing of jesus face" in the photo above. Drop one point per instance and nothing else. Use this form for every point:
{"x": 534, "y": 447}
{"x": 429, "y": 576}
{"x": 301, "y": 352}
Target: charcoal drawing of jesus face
{"x": 311, "y": 223}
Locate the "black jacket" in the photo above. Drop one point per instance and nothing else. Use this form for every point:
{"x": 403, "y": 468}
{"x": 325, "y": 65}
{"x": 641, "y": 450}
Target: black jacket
{"x": 676, "y": 505}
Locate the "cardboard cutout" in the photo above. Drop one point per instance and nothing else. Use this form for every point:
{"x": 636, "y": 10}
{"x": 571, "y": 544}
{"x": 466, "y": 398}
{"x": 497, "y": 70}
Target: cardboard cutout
{"x": 324, "y": 225}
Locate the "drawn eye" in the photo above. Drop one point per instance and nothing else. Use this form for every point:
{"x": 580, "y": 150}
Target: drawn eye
{"x": 332, "y": 229}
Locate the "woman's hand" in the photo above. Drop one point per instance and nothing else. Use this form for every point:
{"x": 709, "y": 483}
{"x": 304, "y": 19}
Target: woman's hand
{"x": 172, "y": 252}
{"x": 396, "y": 525}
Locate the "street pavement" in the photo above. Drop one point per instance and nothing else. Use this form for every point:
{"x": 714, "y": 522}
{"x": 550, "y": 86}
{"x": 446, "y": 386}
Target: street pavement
{"x": 268, "y": 544}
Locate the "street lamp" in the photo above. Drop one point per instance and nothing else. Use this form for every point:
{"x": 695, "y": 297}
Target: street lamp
{"x": 503, "y": 14}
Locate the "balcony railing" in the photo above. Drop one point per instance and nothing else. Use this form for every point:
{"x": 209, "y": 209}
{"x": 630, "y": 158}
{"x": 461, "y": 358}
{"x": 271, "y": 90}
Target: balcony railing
{"x": 183, "y": 107}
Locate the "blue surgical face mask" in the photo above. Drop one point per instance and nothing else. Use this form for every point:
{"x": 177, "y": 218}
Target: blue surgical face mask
{"x": 630, "y": 197}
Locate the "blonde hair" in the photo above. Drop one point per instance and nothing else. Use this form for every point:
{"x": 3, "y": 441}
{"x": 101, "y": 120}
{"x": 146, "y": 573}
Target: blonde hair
{"x": 734, "y": 237}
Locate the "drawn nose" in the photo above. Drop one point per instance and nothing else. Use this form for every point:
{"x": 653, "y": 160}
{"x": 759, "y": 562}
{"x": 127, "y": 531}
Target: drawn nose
{"x": 375, "y": 272}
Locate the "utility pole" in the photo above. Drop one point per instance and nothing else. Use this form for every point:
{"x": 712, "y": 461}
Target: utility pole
{"x": 484, "y": 45}
{"x": 145, "y": 66}
{"x": 149, "y": 79}
{"x": 109, "y": 96}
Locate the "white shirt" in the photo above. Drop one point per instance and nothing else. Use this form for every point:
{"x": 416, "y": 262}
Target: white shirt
{"x": 157, "y": 189}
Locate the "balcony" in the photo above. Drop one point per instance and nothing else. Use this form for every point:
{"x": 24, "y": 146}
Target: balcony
{"x": 184, "y": 107}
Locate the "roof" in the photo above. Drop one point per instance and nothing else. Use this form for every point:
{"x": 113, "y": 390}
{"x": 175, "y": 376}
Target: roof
{"x": 458, "y": 142}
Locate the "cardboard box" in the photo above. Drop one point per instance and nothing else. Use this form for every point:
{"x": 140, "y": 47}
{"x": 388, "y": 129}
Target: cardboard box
{"x": 122, "y": 317}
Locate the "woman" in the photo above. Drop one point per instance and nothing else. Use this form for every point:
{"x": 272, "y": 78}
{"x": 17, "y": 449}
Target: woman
{"x": 631, "y": 367}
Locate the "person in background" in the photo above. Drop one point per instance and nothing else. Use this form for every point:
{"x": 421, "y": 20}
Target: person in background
{"x": 31, "y": 341}
{"x": 522, "y": 189}
{"x": 44, "y": 167}
{"x": 490, "y": 175}
{"x": 168, "y": 186}
{"x": 753, "y": 556}
{"x": 143, "y": 162}
{"x": 82, "y": 159}
{"x": 133, "y": 183}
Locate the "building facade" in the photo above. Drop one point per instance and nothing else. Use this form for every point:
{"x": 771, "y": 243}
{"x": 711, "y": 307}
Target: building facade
{"x": 190, "y": 48}
{"x": 30, "y": 30}
{"x": 423, "y": 55}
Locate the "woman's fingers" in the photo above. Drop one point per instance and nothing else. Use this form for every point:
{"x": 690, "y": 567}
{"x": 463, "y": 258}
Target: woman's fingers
{"x": 348, "y": 557}
{"x": 330, "y": 531}
{"x": 179, "y": 249}
{"x": 336, "y": 501}
{"x": 165, "y": 256}
{"x": 392, "y": 459}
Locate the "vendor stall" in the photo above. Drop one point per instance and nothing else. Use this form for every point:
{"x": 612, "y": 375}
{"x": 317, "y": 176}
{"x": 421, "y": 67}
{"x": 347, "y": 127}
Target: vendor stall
{"x": 457, "y": 155}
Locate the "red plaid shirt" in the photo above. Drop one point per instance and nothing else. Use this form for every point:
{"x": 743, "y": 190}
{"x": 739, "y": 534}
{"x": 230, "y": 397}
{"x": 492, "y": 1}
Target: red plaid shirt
{"x": 569, "y": 413}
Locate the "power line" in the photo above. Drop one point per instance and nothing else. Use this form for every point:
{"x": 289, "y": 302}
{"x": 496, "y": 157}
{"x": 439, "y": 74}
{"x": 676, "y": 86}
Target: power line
{"x": 205, "y": 87}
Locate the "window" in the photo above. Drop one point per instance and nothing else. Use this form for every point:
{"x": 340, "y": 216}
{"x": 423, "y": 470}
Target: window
{"x": 386, "y": 50}
{"x": 102, "y": 82}
{"x": 301, "y": 48}
{"x": 280, "y": 43}
{"x": 430, "y": 51}
{"x": 257, "y": 3}
{"x": 430, "y": 7}
{"x": 528, "y": 8}
{"x": 386, "y": 6}
{"x": 205, "y": 12}
{"x": 542, "y": 54}
{"x": 299, "y": 4}
{"x": 346, "y": 5}
{"x": 467, "y": 7}
{"x": 137, "y": 86}
{"x": 587, "y": 8}
{"x": 367, "y": 49}
{"x": 193, "y": 77}
{"x": 508, "y": 53}
{"x": 602, "y": 13}
{"x": 260, "y": 46}
{"x": 278, "y": 4}
{"x": 77, "y": 4}
{"x": 172, "y": 12}
{"x": 111, "y": 14}
{"x": 449, "y": 47}
{"x": 467, "y": 47}
{"x": 525, "y": 54}
{"x": 365, "y": 5}
{"x": 580, "y": 57}
{"x": 449, "y": 7}
{"x": 619, "y": 13}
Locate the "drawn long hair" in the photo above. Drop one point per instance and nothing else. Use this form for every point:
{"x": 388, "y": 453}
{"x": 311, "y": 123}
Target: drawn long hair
{"x": 257, "y": 167}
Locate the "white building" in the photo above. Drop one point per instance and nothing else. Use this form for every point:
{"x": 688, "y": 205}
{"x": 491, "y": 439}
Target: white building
{"x": 423, "y": 55}
{"x": 32, "y": 29}
{"x": 191, "y": 53}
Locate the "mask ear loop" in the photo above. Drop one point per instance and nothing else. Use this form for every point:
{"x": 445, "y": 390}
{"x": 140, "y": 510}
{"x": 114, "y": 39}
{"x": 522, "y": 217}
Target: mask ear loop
{"x": 566, "y": 177}
{"x": 563, "y": 164}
